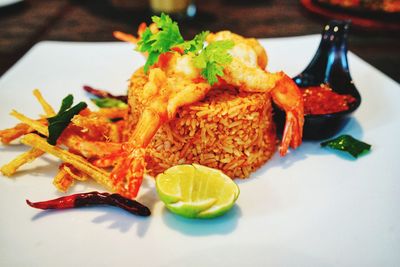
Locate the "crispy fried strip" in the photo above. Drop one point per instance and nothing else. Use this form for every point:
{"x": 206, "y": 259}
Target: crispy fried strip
{"x": 99, "y": 175}
{"x": 63, "y": 181}
{"x": 90, "y": 149}
{"x": 94, "y": 122}
{"x": 112, "y": 113}
{"x": 75, "y": 173}
{"x": 20, "y": 129}
{"x": 11, "y": 167}
{"x": 95, "y": 127}
{"x": 114, "y": 135}
{"x": 8, "y": 135}
{"x": 45, "y": 105}
{"x": 125, "y": 37}
{"x": 66, "y": 176}
{"x": 36, "y": 125}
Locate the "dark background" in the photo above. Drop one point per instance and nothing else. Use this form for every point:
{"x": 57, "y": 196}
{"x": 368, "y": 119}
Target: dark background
{"x": 24, "y": 24}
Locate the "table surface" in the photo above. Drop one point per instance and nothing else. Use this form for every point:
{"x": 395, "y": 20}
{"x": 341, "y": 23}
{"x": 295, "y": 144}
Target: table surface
{"x": 31, "y": 21}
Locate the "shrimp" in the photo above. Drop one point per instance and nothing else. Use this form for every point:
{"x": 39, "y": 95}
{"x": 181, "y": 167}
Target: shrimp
{"x": 245, "y": 47}
{"x": 164, "y": 93}
{"x": 248, "y": 74}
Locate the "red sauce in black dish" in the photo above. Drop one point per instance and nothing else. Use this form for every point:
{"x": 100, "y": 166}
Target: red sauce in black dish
{"x": 322, "y": 99}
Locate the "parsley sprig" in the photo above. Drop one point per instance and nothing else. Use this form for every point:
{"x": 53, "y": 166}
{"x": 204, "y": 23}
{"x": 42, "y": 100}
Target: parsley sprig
{"x": 155, "y": 44}
{"x": 196, "y": 44}
{"x": 210, "y": 59}
{"x": 59, "y": 122}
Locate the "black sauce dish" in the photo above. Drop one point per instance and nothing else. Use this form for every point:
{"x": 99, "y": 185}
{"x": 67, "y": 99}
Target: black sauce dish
{"x": 329, "y": 66}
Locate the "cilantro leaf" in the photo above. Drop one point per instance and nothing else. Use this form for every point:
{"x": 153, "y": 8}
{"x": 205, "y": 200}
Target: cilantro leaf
{"x": 196, "y": 44}
{"x": 212, "y": 71}
{"x": 169, "y": 34}
{"x": 212, "y": 59}
{"x": 163, "y": 21}
{"x": 59, "y": 122}
{"x": 144, "y": 44}
{"x": 155, "y": 44}
{"x": 348, "y": 144}
{"x": 152, "y": 59}
{"x": 108, "y": 102}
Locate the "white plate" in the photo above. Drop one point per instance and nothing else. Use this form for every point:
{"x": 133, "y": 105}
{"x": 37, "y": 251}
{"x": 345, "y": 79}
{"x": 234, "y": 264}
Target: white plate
{"x": 8, "y": 2}
{"x": 313, "y": 207}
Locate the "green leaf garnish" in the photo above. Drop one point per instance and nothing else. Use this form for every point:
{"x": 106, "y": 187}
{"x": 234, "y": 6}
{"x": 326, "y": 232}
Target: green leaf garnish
{"x": 59, "y": 122}
{"x": 196, "y": 44}
{"x": 348, "y": 144}
{"x": 66, "y": 103}
{"x": 109, "y": 103}
{"x": 212, "y": 60}
{"x": 155, "y": 44}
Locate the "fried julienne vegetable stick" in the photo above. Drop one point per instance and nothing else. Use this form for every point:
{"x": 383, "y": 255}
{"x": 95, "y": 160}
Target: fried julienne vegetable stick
{"x": 20, "y": 129}
{"x": 8, "y": 135}
{"x": 99, "y": 175}
{"x": 48, "y": 109}
{"x": 112, "y": 113}
{"x": 66, "y": 176}
{"x": 63, "y": 181}
{"x": 74, "y": 173}
{"x": 45, "y": 105}
{"x": 10, "y": 168}
{"x": 67, "y": 172}
{"x": 36, "y": 125}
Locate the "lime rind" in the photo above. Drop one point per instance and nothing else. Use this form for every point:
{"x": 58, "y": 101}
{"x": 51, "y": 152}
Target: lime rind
{"x": 167, "y": 189}
{"x": 168, "y": 198}
{"x": 215, "y": 211}
{"x": 219, "y": 209}
{"x": 196, "y": 191}
{"x": 191, "y": 209}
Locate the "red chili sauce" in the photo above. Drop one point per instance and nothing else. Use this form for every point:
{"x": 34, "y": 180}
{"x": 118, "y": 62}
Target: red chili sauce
{"x": 322, "y": 100}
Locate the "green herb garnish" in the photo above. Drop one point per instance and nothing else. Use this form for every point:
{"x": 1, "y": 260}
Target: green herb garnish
{"x": 109, "y": 102}
{"x": 59, "y": 122}
{"x": 213, "y": 58}
{"x": 210, "y": 59}
{"x": 155, "y": 44}
{"x": 348, "y": 144}
{"x": 196, "y": 44}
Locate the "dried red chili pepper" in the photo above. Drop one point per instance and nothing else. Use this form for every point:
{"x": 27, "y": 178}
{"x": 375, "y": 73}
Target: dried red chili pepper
{"x": 104, "y": 94}
{"x": 92, "y": 199}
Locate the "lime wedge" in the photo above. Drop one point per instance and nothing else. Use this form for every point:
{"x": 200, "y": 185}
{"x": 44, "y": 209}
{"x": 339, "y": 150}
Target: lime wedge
{"x": 196, "y": 191}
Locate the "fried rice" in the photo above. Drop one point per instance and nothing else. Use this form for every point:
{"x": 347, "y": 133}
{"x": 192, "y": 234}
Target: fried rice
{"x": 229, "y": 130}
